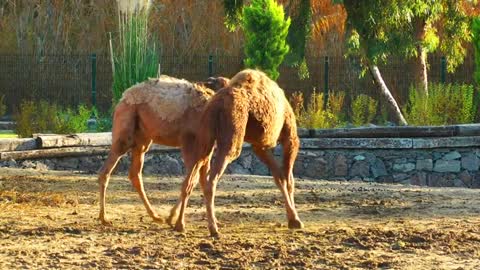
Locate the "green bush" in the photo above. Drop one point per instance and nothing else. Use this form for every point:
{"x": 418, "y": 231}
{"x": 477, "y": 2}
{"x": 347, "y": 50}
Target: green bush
{"x": 104, "y": 121}
{"x": 25, "y": 119}
{"x": 364, "y": 109}
{"x": 476, "y": 47}
{"x": 44, "y": 117}
{"x": 3, "y": 106}
{"x": 71, "y": 121}
{"x": 446, "y": 104}
{"x": 316, "y": 115}
{"x": 266, "y": 30}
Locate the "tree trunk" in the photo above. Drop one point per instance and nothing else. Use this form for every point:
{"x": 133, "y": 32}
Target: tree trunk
{"x": 399, "y": 119}
{"x": 421, "y": 76}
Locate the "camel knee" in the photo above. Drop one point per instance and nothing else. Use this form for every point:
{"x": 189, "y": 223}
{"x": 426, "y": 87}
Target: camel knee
{"x": 103, "y": 179}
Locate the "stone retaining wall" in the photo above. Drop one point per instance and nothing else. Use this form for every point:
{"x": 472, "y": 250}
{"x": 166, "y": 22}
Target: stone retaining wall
{"x": 450, "y": 161}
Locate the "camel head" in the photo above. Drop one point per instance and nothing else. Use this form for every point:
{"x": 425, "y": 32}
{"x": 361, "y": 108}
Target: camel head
{"x": 216, "y": 83}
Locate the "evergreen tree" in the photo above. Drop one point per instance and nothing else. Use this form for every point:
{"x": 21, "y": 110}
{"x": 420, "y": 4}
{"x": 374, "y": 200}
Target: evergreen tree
{"x": 266, "y": 30}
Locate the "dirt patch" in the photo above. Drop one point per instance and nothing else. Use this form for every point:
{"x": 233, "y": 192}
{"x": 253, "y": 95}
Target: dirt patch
{"x": 48, "y": 220}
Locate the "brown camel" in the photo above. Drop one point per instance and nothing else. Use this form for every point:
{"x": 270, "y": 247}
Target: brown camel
{"x": 164, "y": 111}
{"x": 251, "y": 108}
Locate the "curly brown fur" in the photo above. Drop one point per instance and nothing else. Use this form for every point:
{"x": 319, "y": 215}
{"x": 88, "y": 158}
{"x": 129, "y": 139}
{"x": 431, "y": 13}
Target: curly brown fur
{"x": 251, "y": 108}
{"x": 165, "y": 111}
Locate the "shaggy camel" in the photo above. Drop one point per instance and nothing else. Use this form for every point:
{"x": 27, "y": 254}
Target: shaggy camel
{"x": 164, "y": 111}
{"x": 251, "y": 108}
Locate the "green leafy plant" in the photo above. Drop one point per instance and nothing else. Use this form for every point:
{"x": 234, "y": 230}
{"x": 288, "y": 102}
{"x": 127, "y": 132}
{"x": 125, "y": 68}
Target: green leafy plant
{"x": 73, "y": 121}
{"x": 476, "y": 46}
{"x": 104, "y": 121}
{"x": 265, "y": 29}
{"x": 25, "y": 118}
{"x": 445, "y": 104}
{"x": 3, "y": 106}
{"x": 316, "y": 114}
{"x": 383, "y": 117}
{"x": 364, "y": 109}
{"x": 135, "y": 57}
{"x": 44, "y": 117}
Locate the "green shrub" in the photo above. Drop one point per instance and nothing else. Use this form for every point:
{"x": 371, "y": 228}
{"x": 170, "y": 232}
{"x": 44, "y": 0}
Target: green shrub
{"x": 3, "y": 106}
{"x": 71, "y": 121}
{"x": 476, "y": 47}
{"x": 364, "y": 109}
{"x": 383, "y": 117}
{"x": 265, "y": 29}
{"x": 48, "y": 118}
{"x": 446, "y": 104}
{"x": 104, "y": 121}
{"x": 316, "y": 115}
{"x": 25, "y": 119}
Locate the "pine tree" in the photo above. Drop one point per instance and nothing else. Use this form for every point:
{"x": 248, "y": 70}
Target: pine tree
{"x": 266, "y": 31}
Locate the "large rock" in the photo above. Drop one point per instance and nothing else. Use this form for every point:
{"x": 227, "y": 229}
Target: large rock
{"x": 317, "y": 168}
{"x": 340, "y": 165}
{"x": 258, "y": 167}
{"x": 400, "y": 177}
{"x": 470, "y": 162}
{"x": 91, "y": 164}
{"x": 237, "y": 168}
{"x": 447, "y": 166}
{"x": 246, "y": 161}
{"x": 68, "y": 163}
{"x": 360, "y": 168}
{"x": 424, "y": 165}
{"x": 466, "y": 178}
{"x": 419, "y": 179}
{"x": 404, "y": 167}
{"x": 169, "y": 165}
{"x": 452, "y": 155}
{"x": 378, "y": 168}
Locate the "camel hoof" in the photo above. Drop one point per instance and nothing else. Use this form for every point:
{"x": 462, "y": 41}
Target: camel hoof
{"x": 179, "y": 228}
{"x": 215, "y": 235}
{"x": 172, "y": 218}
{"x": 158, "y": 219}
{"x": 214, "y": 232}
{"x": 106, "y": 222}
{"x": 295, "y": 224}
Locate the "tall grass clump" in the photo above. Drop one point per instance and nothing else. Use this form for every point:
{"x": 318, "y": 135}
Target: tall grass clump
{"x": 316, "y": 114}
{"x": 446, "y": 104}
{"x": 134, "y": 56}
{"x": 364, "y": 109}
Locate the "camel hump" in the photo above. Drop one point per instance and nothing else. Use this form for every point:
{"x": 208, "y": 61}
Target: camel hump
{"x": 167, "y": 96}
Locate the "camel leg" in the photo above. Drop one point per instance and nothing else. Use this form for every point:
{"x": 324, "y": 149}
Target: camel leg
{"x": 266, "y": 156}
{"x": 178, "y": 211}
{"x": 229, "y": 138}
{"x": 104, "y": 176}
{"x": 220, "y": 164}
{"x": 187, "y": 149}
{"x": 135, "y": 175}
{"x": 290, "y": 143}
{"x": 122, "y": 140}
{"x": 187, "y": 187}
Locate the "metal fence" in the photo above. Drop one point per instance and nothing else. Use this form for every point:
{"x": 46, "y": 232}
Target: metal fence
{"x": 67, "y": 79}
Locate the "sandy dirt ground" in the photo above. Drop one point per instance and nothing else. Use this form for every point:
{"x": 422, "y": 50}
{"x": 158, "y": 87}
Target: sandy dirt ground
{"x": 49, "y": 220}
